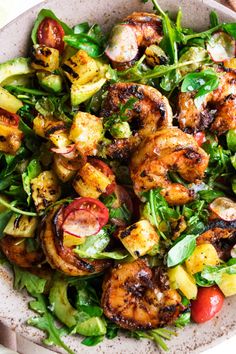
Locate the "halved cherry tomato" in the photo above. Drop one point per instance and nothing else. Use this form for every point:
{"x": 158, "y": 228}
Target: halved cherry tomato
{"x": 51, "y": 33}
{"x": 81, "y": 223}
{"x": 94, "y": 206}
{"x": 208, "y": 303}
{"x": 107, "y": 171}
{"x": 8, "y": 118}
{"x": 200, "y": 138}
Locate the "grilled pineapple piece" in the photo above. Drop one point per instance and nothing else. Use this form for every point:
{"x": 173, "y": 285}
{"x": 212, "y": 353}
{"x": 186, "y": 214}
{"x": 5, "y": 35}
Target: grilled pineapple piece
{"x": 70, "y": 240}
{"x": 90, "y": 182}
{"x": 63, "y": 173}
{"x": 10, "y": 139}
{"x": 139, "y": 238}
{"x": 180, "y": 279}
{"x": 203, "y": 255}
{"x": 45, "y": 190}
{"x": 80, "y": 68}
{"x": 45, "y": 58}
{"x": 227, "y": 284}
{"x": 86, "y": 131}
{"x": 21, "y": 226}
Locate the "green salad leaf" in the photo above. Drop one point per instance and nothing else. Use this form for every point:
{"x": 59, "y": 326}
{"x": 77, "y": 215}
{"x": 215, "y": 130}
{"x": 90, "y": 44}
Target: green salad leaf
{"x": 30, "y": 281}
{"x": 181, "y": 250}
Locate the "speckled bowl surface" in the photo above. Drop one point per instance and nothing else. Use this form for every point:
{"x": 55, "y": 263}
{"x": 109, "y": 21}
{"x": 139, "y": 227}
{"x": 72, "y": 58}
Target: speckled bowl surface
{"x": 14, "y": 41}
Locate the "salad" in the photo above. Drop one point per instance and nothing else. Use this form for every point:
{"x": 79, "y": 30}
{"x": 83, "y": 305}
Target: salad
{"x": 117, "y": 175}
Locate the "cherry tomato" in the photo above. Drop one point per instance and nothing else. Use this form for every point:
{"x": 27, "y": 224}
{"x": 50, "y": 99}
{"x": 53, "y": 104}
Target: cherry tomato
{"x": 51, "y": 33}
{"x": 200, "y": 138}
{"x": 208, "y": 303}
{"x": 107, "y": 171}
{"x": 8, "y": 118}
{"x": 94, "y": 206}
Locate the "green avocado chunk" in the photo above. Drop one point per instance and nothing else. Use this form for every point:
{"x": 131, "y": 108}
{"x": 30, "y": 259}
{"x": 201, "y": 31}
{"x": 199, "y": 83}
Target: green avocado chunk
{"x": 50, "y": 82}
{"x": 13, "y": 68}
{"x": 60, "y": 303}
{"x": 94, "y": 326}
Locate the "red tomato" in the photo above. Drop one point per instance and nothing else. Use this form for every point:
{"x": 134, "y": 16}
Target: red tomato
{"x": 8, "y": 118}
{"x": 51, "y": 33}
{"x": 81, "y": 223}
{"x": 208, "y": 303}
{"x": 200, "y": 138}
{"x": 94, "y": 206}
{"x": 107, "y": 171}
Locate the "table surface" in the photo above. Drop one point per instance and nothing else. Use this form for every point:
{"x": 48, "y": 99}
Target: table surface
{"x": 8, "y": 11}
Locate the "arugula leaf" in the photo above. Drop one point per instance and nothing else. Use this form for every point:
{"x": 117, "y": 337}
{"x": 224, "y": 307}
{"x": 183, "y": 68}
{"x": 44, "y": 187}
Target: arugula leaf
{"x": 4, "y": 218}
{"x": 30, "y": 281}
{"x": 55, "y": 106}
{"x": 203, "y": 82}
{"x": 155, "y": 335}
{"x": 122, "y": 115}
{"x": 181, "y": 250}
{"x": 91, "y": 341}
{"x": 183, "y": 320}
{"x": 33, "y": 170}
{"x": 41, "y": 16}
{"x": 214, "y": 19}
{"x": 46, "y": 322}
{"x": 214, "y": 274}
{"x": 210, "y": 195}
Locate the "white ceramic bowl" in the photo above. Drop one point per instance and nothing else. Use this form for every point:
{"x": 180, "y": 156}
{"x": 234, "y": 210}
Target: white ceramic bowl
{"x": 14, "y": 41}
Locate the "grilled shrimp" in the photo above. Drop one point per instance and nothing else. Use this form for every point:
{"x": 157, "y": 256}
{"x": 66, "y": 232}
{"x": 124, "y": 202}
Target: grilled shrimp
{"x": 61, "y": 257}
{"x": 222, "y": 235}
{"x": 150, "y": 113}
{"x": 168, "y": 150}
{"x": 133, "y": 297}
{"x": 218, "y": 111}
{"x": 15, "y": 250}
{"x": 137, "y": 31}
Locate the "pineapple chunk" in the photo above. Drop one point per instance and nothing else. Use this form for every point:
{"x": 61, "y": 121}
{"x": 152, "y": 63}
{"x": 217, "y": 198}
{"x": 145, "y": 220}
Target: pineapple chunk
{"x": 47, "y": 126}
{"x": 21, "y": 226}
{"x": 203, "y": 255}
{"x": 86, "y": 131}
{"x": 9, "y": 102}
{"x": 63, "y": 173}
{"x": 139, "y": 238}
{"x": 45, "y": 58}
{"x": 227, "y": 284}
{"x": 45, "y": 190}
{"x": 80, "y": 68}
{"x": 70, "y": 240}
{"x": 180, "y": 279}
{"x": 230, "y": 63}
{"x": 10, "y": 139}
{"x": 90, "y": 182}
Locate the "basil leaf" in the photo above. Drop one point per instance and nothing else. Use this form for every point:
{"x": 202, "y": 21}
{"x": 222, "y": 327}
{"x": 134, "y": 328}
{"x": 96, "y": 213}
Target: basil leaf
{"x": 81, "y": 28}
{"x": 181, "y": 250}
{"x": 41, "y": 16}
{"x": 83, "y": 41}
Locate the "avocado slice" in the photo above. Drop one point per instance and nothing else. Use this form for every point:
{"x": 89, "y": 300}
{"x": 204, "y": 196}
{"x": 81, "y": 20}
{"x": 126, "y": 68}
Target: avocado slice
{"x": 50, "y": 82}
{"x": 9, "y": 102}
{"x": 81, "y": 93}
{"x": 94, "y": 326}
{"x": 60, "y": 303}
{"x": 14, "y": 67}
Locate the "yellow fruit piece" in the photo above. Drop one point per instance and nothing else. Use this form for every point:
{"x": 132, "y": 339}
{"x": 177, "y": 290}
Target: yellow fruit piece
{"x": 203, "y": 255}
{"x": 180, "y": 279}
{"x": 228, "y": 284}
{"x": 230, "y": 63}
{"x": 70, "y": 240}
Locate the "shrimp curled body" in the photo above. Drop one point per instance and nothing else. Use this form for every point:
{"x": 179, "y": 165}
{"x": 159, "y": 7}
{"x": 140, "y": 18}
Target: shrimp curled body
{"x": 150, "y": 113}
{"x": 168, "y": 150}
{"x": 134, "y": 299}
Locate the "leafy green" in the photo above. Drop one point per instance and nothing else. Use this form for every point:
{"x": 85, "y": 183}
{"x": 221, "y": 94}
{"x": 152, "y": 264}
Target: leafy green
{"x": 41, "y": 16}
{"x": 158, "y": 211}
{"x": 201, "y": 82}
{"x": 122, "y": 115}
{"x": 183, "y": 320}
{"x": 102, "y": 255}
{"x": 112, "y": 330}
{"x": 214, "y": 19}
{"x": 210, "y": 195}
{"x": 46, "y": 322}
{"x": 156, "y": 335}
{"x": 55, "y": 106}
{"x": 214, "y": 274}
{"x": 90, "y": 39}
{"x": 181, "y": 250}
{"x": 30, "y": 281}
{"x": 91, "y": 341}
{"x": 121, "y": 213}
{"x": 94, "y": 244}
{"x": 16, "y": 210}
{"x": 33, "y": 170}
{"x": 4, "y": 218}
